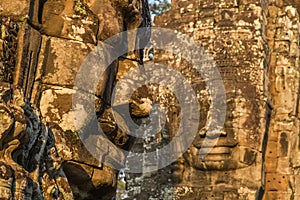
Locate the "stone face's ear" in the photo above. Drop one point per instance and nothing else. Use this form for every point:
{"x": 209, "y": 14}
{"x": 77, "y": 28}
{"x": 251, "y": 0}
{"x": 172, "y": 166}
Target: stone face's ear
{"x": 23, "y": 10}
{"x": 16, "y": 10}
{"x": 70, "y": 20}
{"x": 52, "y": 15}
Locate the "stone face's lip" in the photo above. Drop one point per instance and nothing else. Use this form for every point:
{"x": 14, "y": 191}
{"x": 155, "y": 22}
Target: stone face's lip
{"x": 205, "y": 152}
{"x": 214, "y": 154}
{"x": 222, "y": 142}
{"x": 218, "y": 150}
{"x": 229, "y": 145}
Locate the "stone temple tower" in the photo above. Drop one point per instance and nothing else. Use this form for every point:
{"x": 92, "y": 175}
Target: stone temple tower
{"x": 254, "y": 44}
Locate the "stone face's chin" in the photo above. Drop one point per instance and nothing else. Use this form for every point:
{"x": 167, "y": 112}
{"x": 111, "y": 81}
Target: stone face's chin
{"x": 226, "y": 152}
{"x": 222, "y": 158}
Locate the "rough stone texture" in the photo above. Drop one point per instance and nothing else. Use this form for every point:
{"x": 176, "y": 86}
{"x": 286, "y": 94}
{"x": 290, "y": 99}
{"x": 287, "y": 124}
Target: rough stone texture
{"x": 9, "y": 41}
{"x": 254, "y": 44}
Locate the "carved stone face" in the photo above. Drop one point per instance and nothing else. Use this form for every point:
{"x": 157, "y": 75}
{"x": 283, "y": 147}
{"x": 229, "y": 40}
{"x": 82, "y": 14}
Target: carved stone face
{"x": 240, "y": 140}
{"x": 241, "y": 68}
{"x": 237, "y": 145}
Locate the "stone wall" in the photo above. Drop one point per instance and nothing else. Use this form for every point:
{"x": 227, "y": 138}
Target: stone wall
{"x": 255, "y": 46}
